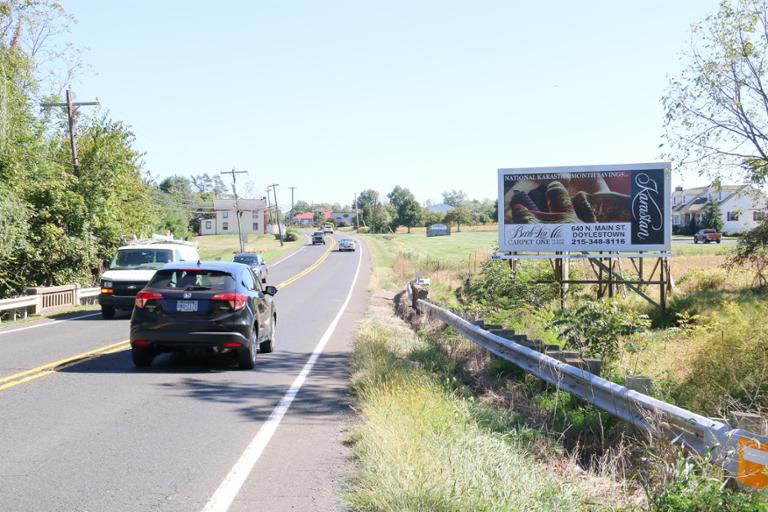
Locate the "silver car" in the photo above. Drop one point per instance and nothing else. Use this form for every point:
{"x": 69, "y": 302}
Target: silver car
{"x": 347, "y": 244}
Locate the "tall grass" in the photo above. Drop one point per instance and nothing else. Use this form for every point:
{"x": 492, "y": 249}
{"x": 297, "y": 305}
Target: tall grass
{"x": 420, "y": 446}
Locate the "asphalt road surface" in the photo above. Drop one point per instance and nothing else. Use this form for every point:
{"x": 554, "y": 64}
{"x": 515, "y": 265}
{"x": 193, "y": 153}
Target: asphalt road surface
{"x": 192, "y": 433}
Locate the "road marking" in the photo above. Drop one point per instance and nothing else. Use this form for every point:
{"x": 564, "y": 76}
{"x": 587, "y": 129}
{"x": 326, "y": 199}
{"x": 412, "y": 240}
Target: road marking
{"x": 310, "y": 268}
{"x": 49, "y": 368}
{"x": 48, "y": 323}
{"x": 227, "y": 492}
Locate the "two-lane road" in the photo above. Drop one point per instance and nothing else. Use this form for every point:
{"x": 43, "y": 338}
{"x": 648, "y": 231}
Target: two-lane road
{"x": 191, "y": 433}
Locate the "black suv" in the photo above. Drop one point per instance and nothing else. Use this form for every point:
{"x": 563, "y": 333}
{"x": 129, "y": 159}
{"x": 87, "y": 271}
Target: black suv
{"x": 318, "y": 237}
{"x": 214, "y": 305}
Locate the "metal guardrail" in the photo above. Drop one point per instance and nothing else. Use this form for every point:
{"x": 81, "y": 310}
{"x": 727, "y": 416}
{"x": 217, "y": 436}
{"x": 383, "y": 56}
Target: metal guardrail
{"x": 744, "y": 454}
{"x": 43, "y": 299}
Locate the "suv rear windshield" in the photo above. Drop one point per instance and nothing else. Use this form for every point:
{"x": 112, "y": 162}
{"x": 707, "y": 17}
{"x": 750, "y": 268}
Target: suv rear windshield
{"x": 141, "y": 259}
{"x": 247, "y": 260}
{"x": 181, "y": 279}
{"x": 318, "y": 233}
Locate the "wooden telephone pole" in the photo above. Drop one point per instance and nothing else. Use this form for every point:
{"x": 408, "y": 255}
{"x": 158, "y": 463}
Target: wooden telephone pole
{"x": 233, "y": 172}
{"x": 72, "y": 107}
{"x": 277, "y": 210}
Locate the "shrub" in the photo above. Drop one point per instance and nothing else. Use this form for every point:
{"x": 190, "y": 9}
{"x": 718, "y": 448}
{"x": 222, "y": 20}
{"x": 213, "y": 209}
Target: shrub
{"x": 497, "y": 286}
{"x": 291, "y": 235}
{"x": 595, "y": 327}
{"x": 695, "y": 485}
{"x": 699, "y": 280}
{"x": 728, "y": 364}
{"x": 752, "y": 252}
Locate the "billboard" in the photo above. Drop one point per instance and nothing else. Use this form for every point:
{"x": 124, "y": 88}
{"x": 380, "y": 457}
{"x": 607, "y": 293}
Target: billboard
{"x": 585, "y": 208}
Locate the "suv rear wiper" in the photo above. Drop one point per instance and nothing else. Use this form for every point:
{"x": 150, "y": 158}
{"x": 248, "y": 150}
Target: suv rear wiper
{"x": 196, "y": 287}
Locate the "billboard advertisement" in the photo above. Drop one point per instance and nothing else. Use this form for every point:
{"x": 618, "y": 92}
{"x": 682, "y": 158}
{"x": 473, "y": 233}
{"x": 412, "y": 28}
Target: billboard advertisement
{"x": 585, "y": 208}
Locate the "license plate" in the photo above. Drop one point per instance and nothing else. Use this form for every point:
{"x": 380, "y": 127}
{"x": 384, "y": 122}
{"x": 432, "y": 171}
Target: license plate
{"x": 186, "y": 305}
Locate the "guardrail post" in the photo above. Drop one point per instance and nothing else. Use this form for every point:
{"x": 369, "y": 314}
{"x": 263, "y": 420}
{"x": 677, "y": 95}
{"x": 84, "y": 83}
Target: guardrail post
{"x": 418, "y": 293}
{"x": 639, "y": 383}
{"x": 748, "y": 421}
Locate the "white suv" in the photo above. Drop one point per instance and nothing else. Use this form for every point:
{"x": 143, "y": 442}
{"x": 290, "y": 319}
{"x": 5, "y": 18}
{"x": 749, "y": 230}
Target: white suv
{"x": 328, "y": 229}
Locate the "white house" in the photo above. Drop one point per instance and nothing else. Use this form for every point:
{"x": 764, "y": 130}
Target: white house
{"x": 742, "y": 206}
{"x": 253, "y": 217}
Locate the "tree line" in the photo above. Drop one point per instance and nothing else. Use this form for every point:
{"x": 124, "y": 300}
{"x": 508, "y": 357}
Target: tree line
{"x": 58, "y": 226}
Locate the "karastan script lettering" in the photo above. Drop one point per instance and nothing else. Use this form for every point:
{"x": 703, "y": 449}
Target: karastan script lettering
{"x": 645, "y": 206}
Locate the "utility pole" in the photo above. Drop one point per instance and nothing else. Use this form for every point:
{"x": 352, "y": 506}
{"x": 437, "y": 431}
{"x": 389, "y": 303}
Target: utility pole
{"x": 233, "y": 172}
{"x": 277, "y": 210}
{"x": 269, "y": 207}
{"x": 72, "y": 108}
{"x": 357, "y": 215}
{"x": 292, "y": 212}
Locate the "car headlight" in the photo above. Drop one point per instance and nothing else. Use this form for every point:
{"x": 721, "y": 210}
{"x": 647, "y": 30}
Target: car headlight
{"x": 106, "y": 284}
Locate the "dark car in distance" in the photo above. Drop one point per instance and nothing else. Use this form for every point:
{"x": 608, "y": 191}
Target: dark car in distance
{"x": 318, "y": 237}
{"x": 213, "y": 305}
{"x": 255, "y": 261}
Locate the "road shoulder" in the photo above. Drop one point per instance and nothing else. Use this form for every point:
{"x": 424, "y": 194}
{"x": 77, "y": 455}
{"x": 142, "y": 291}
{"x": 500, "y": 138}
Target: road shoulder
{"x": 308, "y": 465}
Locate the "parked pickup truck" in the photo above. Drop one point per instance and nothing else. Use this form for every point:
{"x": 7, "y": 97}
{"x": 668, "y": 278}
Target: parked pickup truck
{"x": 706, "y": 236}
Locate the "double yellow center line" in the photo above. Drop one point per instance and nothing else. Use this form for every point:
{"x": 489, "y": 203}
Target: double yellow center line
{"x": 55, "y": 366}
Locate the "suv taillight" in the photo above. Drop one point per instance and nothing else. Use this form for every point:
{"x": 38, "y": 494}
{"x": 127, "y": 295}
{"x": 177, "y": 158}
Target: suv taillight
{"x": 236, "y": 300}
{"x": 143, "y": 296}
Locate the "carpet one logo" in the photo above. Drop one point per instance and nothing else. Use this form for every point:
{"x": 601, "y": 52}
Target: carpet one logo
{"x": 539, "y": 234}
{"x": 648, "y": 207}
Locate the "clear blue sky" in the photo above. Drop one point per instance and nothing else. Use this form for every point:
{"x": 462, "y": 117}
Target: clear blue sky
{"x": 337, "y": 96}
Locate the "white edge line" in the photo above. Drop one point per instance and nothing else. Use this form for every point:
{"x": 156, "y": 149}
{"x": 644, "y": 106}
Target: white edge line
{"x": 229, "y": 488}
{"x": 48, "y": 323}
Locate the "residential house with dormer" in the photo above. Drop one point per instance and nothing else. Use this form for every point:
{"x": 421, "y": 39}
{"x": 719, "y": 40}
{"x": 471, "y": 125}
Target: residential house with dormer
{"x": 742, "y": 206}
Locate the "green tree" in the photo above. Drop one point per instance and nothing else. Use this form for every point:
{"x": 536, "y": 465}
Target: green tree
{"x": 300, "y": 207}
{"x": 458, "y": 216}
{"x": 170, "y": 215}
{"x": 712, "y": 216}
{"x": 110, "y": 182}
{"x": 366, "y": 202}
{"x": 715, "y": 110}
{"x": 54, "y": 226}
{"x": 407, "y": 211}
{"x": 455, "y": 198}
{"x": 429, "y": 217}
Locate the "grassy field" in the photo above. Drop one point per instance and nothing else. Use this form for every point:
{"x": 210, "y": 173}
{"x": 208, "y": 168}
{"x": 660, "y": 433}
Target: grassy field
{"x": 443, "y": 259}
{"x": 212, "y": 247}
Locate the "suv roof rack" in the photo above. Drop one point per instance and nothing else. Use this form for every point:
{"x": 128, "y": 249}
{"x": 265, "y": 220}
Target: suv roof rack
{"x": 158, "y": 239}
